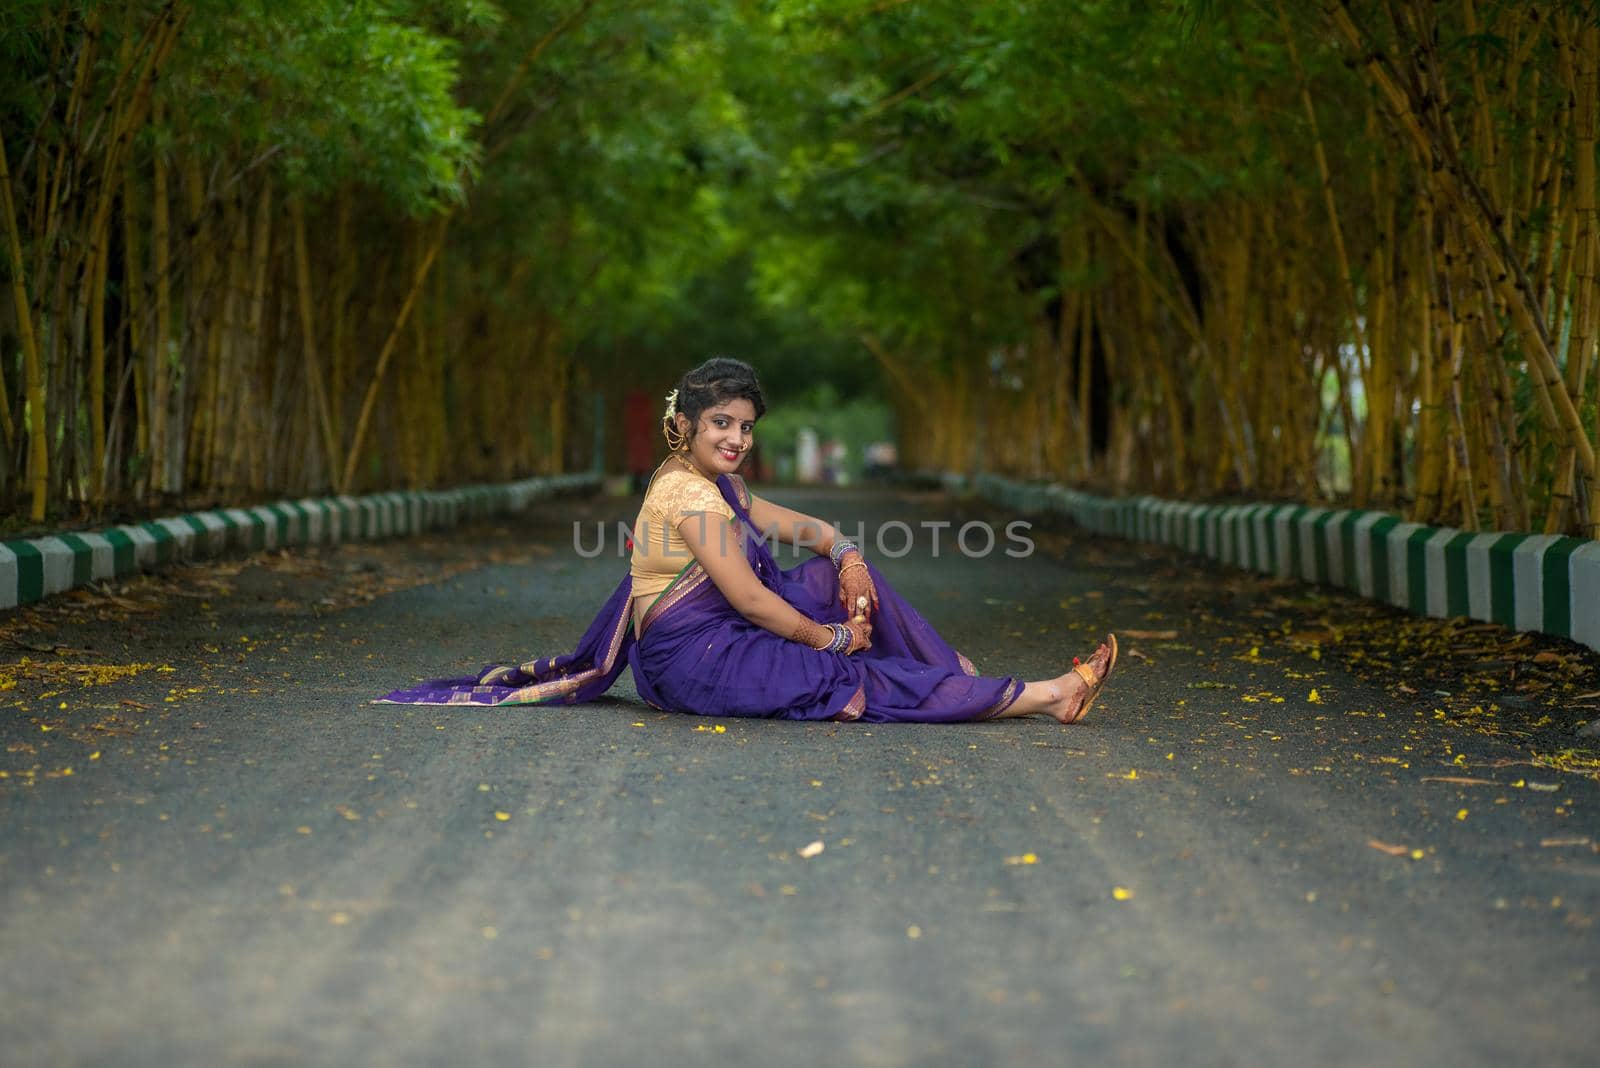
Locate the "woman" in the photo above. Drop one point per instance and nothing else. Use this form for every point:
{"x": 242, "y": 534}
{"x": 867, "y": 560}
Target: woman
{"x": 710, "y": 624}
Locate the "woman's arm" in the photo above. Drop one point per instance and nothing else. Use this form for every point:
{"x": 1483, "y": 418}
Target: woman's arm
{"x": 792, "y": 527}
{"x": 717, "y": 549}
{"x": 785, "y": 524}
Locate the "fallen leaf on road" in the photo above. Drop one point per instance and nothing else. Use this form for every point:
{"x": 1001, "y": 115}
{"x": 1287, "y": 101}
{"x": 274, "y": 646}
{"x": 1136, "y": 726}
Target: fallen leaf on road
{"x": 811, "y": 850}
{"x": 1149, "y": 635}
{"x": 1389, "y": 847}
{"x": 1459, "y": 780}
{"x": 502, "y": 816}
{"x": 1550, "y": 843}
{"x": 1544, "y": 787}
{"x": 1121, "y": 893}
{"x": 1026, "y": 858}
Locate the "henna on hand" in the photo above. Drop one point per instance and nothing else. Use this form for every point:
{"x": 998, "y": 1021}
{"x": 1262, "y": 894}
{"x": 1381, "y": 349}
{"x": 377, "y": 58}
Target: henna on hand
{"x": 816, "y": 635}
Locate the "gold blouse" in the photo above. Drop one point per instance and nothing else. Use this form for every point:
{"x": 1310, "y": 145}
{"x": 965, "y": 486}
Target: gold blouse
{"x": 659, "y": 551}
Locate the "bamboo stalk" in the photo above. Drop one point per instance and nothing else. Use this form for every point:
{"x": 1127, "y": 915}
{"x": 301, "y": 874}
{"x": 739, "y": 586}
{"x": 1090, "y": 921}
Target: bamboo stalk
{"x": 1586, "y": 253}
{"x": 97, "y": 374}
{"x": 160, "y": 356}
{"x": 1330, "y": 204}
{"x": 1475, "y": 211}
{"x": 135, "y": 300}
{"x": 358, "y": 439}
{"x": 201, "y": 326}
{"x": 38, "y": 449}
{"x": 343, "y": 282}
{"x": 225, "y": 393}
{"x": 321, "y": 413}
{"x": 251, "y": 423}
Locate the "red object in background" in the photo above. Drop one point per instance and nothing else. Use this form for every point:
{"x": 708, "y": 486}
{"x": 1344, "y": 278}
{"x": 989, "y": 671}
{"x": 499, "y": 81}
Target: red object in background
{"x": 641, "y": 425}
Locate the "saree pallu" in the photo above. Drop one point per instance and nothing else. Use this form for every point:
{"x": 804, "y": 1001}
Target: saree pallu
{"x": 699, "y": 655}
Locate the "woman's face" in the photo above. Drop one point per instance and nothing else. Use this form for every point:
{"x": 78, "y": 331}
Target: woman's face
{"x": 725, "y": 434}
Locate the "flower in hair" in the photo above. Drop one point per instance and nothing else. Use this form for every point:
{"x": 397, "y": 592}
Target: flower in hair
{"x": 672, "y": 405}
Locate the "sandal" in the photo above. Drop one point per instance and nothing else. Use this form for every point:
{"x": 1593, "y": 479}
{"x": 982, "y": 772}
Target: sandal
{"x": 1095, "y": 684}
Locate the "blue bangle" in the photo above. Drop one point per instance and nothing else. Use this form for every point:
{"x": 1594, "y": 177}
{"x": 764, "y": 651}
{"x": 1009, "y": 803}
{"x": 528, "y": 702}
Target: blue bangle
{"x": 840, "y": 547}
{"x": 841, "y": 638}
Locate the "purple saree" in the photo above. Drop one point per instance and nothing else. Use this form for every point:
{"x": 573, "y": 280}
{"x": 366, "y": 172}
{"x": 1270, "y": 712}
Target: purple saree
{"x": 699, "y": 655}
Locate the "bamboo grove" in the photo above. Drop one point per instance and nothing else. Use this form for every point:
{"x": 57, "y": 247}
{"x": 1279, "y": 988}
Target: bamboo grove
{"x": 1314, "y": 250}
{"x": 240, "y": 258}
{"x": 1334, "y": 251}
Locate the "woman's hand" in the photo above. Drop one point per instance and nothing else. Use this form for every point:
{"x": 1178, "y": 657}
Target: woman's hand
{"x": 855, "y": 582}
{"x": 860, "y": 637}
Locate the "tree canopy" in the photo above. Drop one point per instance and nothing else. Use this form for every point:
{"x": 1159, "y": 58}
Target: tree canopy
{"x": 1321, "y": 250}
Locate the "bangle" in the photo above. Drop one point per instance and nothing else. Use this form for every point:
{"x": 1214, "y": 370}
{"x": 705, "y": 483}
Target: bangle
{"x": 842, "y": 637}
{"x": 840, "y": 547}
{"x": 853, "y": 563}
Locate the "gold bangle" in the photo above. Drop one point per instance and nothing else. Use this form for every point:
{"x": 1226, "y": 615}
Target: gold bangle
{"x": 853, "y": 563}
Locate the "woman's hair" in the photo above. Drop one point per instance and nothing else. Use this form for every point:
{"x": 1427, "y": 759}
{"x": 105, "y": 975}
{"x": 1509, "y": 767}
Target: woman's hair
{"x": 717, "y": 381}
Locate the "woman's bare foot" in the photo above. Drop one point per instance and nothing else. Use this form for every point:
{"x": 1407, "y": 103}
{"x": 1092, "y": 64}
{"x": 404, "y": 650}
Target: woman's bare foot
{"x": 1074, "y": 691}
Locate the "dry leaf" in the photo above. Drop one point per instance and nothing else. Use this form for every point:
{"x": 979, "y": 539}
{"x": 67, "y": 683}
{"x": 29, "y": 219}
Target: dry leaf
{"x": 1550, "y": 843}
{"x": 1459, "y": 781}
{"x": 811, "y": 850}
{"x": 1388, "y": 847}
{"x": 1149, "y": 635}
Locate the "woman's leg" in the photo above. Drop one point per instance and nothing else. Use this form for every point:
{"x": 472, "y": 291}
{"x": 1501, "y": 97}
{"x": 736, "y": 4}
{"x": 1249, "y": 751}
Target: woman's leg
{"x": 1062, "y": 697}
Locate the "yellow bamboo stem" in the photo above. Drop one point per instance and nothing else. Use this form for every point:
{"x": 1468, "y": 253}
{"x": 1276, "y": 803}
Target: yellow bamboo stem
{"x": 38, "y": 449}
{"x": 369, "y": 402}
{"x": 321, "y": 413}
{"x": 160, "y": 356}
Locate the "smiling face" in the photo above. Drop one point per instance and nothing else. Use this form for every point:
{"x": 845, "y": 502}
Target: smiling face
{"x": 723, "y": 436}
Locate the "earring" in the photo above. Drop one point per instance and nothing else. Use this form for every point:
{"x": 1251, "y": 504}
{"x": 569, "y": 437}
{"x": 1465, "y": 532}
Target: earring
{"x": 675, "y": 438}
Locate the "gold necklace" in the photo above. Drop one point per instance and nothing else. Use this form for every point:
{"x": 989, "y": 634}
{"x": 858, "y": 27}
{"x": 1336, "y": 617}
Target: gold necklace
{"x": 689, "y": 465}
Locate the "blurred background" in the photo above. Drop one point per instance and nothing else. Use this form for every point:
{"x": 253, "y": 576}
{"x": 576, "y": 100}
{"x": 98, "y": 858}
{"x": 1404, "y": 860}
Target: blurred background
{"x": 1337, "y": 251}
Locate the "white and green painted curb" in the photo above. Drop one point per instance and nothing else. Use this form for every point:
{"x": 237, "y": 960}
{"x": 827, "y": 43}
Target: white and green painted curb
{"x": 34, "y": 568}
{"x": 1524, "y": 581}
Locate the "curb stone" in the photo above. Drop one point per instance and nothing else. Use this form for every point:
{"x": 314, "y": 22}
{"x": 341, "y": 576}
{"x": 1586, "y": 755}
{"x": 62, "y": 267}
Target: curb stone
{"x": 32, "y": 569}
{"x": 1532, "y": 582}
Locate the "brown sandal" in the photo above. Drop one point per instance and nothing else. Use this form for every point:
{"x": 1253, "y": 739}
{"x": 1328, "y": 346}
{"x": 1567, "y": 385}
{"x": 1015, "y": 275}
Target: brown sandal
{"x": 1095, "y": 684}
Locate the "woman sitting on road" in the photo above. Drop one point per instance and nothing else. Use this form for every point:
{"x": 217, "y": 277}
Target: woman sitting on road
{"x": 711, "y": 625}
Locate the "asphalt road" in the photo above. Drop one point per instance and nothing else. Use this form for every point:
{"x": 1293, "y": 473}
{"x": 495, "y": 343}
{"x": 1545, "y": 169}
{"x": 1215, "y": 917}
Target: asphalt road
{"x": 1297, "y": 830}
